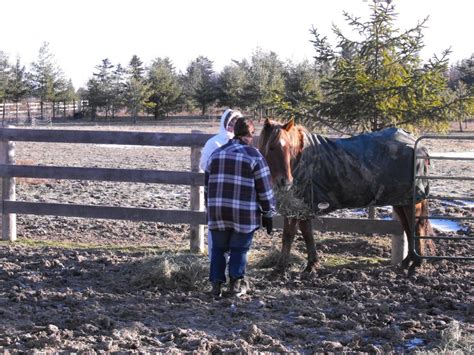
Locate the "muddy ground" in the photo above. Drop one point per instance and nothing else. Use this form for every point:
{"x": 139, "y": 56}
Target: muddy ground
{"x": 83, "y": 285}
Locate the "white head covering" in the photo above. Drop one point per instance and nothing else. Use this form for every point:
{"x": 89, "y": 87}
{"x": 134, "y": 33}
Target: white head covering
{"x": 219, "y": 139}
{"x": 226, "y": 118}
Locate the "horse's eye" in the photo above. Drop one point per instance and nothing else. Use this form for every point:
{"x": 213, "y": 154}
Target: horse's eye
{"x": 271, "y": 149}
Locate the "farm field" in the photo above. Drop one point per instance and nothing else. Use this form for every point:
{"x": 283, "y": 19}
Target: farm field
{"x": 99, "y": 286}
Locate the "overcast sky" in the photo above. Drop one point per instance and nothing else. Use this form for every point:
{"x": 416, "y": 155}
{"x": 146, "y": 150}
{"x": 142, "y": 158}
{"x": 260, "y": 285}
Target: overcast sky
{"x": 82, "y": 33}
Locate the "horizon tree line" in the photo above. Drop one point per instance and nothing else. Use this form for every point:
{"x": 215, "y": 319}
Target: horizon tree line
{"x": 358, "y": 85}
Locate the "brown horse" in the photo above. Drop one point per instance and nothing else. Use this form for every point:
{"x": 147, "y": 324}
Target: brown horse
{"x": 289, "y": 150}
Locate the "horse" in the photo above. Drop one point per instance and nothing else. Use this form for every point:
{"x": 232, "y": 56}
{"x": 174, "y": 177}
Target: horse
{"x": 329, "y": 174}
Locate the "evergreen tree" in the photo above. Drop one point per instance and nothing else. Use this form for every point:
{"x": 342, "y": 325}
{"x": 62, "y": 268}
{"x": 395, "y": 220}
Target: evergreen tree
{"x": 4, "y": 80}
{"x": 466, "y": 71}
{"x": 100, "y": 94}
{"x": 135, "y": 68}
{"x": 118, "y": 82}
{"x": 136, "y": 89}
{"x": 265, "y": 79}
{"x": 379, "y": 80}
{"x": 200, "y": 83}
{"x": 302, "y": 90}
{"x": 67, "y": 95}
{"x": 232, "y": 87}
{"x": 18, "y": 87}
{"x": 165, "y": 89}
{"x": 463, "y": 109}
{"x": 46, "y": 77}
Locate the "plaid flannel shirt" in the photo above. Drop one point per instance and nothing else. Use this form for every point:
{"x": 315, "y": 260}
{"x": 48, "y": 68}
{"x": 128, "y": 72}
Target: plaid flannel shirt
{"x": 238, "y": 188}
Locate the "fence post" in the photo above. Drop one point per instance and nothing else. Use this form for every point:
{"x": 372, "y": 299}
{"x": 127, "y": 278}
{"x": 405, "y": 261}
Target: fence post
{"x": 197, "y": 202}
{"x": 7, "y": 156}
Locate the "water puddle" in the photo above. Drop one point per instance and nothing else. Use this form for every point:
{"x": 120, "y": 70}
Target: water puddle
{"x": 446, "y": 225}
{"x": 413, "y": 343}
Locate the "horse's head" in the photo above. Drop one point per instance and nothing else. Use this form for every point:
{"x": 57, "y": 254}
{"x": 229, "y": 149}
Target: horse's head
{"x": 281, "y": 145}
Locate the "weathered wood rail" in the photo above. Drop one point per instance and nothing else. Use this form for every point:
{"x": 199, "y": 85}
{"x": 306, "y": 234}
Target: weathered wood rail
{"x": 195, "y": 179}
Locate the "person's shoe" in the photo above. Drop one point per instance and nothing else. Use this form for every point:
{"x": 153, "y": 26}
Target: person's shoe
{"x": 217, "y": 290}
{"x": 238, "y": 287}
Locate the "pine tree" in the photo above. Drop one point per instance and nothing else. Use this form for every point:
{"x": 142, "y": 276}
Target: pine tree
{"x": 4, "y": 80}
{"x": 18, "y": 86}
{"x": 136, "y": 90}
{"x": 232, "y": 87}
{"x": 302, "y": 90}
{"x": 200, "y": 83}
{"x": 46, "y": 77}
{"x": 379, "y": 80}
{"x": 165, "y": 89}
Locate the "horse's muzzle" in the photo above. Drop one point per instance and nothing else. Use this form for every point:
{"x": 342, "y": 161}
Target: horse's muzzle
{"x": 283, "y": 183}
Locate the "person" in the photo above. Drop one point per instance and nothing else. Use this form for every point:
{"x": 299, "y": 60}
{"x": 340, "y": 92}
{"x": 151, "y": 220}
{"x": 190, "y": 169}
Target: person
{"x": 239, "y": 197}
{"x": 226, "y": 132}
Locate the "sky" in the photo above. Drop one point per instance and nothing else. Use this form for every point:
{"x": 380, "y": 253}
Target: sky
{"x": 83, "y": 33}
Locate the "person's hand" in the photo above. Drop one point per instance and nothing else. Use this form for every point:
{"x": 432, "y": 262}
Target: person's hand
{"x": 267, "y": 222}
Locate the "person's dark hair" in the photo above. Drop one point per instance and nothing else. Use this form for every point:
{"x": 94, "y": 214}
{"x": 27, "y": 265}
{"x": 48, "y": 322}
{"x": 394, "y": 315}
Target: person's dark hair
{"x": 243, "y": 127}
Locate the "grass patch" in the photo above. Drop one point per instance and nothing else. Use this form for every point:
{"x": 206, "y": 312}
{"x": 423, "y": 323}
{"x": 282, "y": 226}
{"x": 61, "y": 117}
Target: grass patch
{"x": 171, "y": 271}
{"x": 341, "y": 261}
{"x": 82, "y": 246}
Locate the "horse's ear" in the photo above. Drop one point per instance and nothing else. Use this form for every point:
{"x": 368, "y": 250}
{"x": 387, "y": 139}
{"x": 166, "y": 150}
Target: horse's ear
{"x": 289, "y": 125}
{"x": 267, "y": 122}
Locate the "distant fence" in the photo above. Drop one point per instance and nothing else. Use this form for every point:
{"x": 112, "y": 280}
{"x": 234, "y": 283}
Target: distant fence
{"x": 195, "y": 217}
{"x": 30, "y": 112}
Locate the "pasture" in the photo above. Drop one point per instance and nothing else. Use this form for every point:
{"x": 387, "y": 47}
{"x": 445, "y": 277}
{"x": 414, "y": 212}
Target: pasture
{"x": 72, "y": 284}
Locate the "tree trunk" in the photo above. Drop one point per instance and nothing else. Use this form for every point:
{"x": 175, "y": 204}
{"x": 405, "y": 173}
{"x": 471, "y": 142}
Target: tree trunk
{"x": 28, "y": 111}
{"x": 3, "y": 114}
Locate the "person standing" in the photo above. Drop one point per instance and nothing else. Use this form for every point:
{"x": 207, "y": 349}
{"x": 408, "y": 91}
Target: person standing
{"x": 226, "y": 132}
{"x": 239, "y": 198}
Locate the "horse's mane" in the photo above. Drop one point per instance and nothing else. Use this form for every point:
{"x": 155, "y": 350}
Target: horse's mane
{"x": 271, "y": 132}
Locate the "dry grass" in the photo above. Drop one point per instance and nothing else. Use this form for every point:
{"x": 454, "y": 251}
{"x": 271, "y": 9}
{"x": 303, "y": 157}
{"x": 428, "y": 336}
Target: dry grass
{"x": 271, "y": 258}
{"x": 171, "y": 271}
{"x": 290, "y": 206}
{"x": 454, "y": 341}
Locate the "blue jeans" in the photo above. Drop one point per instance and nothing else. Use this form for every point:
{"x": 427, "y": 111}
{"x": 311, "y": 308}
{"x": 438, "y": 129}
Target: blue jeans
{"x": 238, "y": 244}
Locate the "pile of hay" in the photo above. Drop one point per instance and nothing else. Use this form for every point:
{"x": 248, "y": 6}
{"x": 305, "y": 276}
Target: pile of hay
{"x": 289, "y": 205}
{"x": 171, "y": 271}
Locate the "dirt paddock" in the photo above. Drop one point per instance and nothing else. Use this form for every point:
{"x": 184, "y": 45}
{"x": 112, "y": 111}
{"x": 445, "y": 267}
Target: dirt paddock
{"x": 100, "y": 286}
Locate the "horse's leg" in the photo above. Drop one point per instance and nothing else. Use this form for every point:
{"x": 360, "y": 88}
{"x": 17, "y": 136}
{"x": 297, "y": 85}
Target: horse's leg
{"x": 426, "y": 229}
{"x": 289, "y": 232}
{"x": 404, "y": 220}
{"x": 422, "y": 228}
{"x": 306, "y": 229}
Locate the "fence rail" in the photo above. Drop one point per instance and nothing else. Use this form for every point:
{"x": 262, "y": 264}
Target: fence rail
{"x": 195, "y": 217}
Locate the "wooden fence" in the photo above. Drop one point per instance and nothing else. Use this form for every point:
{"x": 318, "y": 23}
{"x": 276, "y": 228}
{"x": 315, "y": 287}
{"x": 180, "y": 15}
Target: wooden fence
{"x": 195, "y": 179}
{"x": 29, "y": 111}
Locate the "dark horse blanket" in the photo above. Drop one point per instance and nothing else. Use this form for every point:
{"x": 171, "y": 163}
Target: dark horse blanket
{"x": 373, "y": 169}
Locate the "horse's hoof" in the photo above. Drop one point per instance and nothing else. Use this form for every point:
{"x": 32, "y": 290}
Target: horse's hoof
{"x": 279, "y": 270}
{"x": 412, "y": 270}
{"x": 405, "y": 263}
{"x": 311, "y": 268}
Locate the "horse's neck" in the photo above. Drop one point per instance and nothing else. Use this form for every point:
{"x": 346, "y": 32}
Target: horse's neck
{"x": 297, "y": 149}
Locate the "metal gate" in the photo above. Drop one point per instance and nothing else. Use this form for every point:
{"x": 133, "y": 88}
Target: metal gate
{"x": 467, "y": 197}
